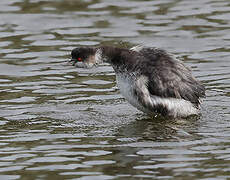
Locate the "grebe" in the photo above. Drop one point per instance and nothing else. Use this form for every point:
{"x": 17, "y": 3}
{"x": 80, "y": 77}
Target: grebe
{"x": 150, "y": 79}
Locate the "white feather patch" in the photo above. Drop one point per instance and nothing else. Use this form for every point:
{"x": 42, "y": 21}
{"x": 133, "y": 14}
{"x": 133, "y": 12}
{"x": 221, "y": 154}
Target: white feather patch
{"x": 175, "y": 107}
{"x": 137, "y": 48}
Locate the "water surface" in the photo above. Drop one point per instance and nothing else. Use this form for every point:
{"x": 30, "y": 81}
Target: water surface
{"x": 59, "y": 122}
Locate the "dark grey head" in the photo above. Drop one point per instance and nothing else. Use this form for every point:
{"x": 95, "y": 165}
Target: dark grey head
{"x": 83, "y": 57}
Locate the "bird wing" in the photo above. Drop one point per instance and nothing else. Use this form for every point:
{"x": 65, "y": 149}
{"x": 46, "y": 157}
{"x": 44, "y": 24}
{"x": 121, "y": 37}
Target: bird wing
{"x": 169, "y": 77}
{"x": 144, "y": 97}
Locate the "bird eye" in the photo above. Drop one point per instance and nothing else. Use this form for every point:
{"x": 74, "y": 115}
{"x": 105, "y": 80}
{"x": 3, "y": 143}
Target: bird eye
{"x": 79, "y": 59}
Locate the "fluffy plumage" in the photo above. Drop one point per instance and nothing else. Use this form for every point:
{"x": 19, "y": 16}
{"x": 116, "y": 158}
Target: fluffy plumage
{"x": 151, "y": 79}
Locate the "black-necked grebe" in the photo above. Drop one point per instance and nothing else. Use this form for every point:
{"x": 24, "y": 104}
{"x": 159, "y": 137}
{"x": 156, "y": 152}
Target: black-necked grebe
{"x": 150, "y": 79}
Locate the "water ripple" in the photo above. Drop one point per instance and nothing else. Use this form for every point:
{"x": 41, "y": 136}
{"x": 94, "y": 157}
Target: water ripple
{"x": 60, "y": 122}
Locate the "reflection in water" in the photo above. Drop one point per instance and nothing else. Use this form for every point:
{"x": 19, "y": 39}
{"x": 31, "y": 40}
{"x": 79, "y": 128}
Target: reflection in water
{"x": 59, "y": 122}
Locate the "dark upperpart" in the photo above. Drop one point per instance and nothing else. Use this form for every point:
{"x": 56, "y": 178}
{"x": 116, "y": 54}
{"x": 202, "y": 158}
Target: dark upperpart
{"x": 167, "y": 76}
{"x": 104, "y": 54}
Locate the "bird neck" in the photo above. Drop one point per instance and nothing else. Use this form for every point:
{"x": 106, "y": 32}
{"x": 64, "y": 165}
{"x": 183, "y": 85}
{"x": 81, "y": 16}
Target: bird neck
{"x": 108, "y": 54}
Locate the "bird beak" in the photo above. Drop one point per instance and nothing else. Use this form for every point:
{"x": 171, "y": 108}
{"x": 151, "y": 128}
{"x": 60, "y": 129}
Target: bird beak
{"x": 72, "y": 62}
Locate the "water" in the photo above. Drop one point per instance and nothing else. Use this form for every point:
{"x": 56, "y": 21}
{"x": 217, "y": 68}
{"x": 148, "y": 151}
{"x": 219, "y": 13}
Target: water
{"x": 59, "y": 122}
